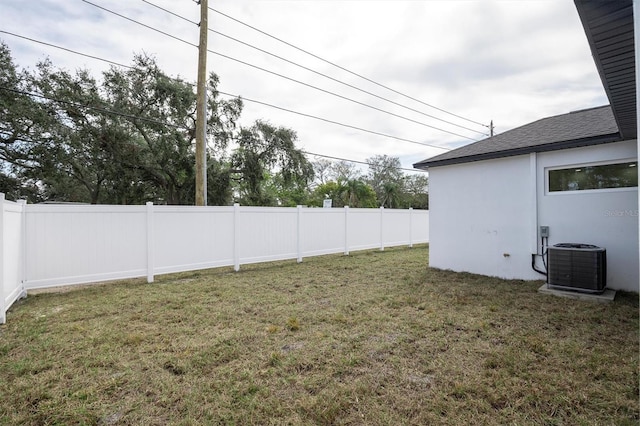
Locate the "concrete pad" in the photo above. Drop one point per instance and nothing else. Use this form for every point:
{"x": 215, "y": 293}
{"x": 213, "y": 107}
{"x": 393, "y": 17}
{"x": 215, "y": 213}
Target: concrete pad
{"x": 607, "y": 296}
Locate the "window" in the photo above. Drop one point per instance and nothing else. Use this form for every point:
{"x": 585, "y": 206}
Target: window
{"x": 580, "y": 178}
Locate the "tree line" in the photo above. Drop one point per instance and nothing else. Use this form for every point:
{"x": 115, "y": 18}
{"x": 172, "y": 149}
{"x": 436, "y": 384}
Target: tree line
{"x": 128, "y": 138}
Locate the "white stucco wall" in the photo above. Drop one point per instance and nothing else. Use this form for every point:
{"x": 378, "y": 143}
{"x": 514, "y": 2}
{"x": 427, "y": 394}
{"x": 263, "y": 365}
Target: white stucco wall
{"x": 636, "y": 35}
{"x": 606, "y": 218}
{"x": 482, "y": 211}
{"x": 479, "y": 212}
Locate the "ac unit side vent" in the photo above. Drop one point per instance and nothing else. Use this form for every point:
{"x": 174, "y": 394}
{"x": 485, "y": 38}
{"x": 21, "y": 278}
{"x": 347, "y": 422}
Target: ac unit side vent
{"x": 578, "y": 267}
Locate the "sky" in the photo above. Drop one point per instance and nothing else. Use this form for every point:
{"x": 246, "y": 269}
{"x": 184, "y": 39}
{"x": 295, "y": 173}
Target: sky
{"x": 453, "y": 65}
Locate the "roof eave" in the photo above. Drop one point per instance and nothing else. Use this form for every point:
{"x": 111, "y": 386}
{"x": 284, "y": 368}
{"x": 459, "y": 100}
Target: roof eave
{"x": 554, "y": 146}
{"x": 617, "y": 72}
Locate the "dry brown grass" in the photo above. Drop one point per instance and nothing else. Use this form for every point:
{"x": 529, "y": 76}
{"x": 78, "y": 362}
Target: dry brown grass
{"x": 373, "y": 338}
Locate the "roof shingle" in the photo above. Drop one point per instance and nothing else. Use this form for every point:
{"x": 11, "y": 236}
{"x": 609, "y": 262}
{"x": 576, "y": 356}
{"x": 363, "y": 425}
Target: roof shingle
{"x": 579, "y": 128}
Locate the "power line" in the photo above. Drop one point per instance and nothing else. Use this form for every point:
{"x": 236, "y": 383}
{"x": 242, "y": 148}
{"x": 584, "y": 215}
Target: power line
{"x": 335, "y": 122}
{"x": 342, "y": 97}
{"x": 173, "y": 13}
{"x": 66, "y": 49}
{"x": 281, "y": 75}
{"x": 140, "y": 23}
{"x": 343, "y": 68}
{"x": 314, "y": 71}
{"x": 232, "y": 95}
{"x": 346, "y": 84}
{"x": 356, "y": 161}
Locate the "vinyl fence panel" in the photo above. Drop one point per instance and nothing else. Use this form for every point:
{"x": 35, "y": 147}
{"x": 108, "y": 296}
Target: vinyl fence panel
{"x": 11, "y": 254}
{"x": 267, "y": 233}
{"x": 396, "y": 227}
{"x": 51, "y": 245}
{"x": 71, "y": 244}
{"x": 322, "y": 231}
{"x": 419, "y": 226}
{"x": 364, "y": 230}
{"x": 187, "y": 239}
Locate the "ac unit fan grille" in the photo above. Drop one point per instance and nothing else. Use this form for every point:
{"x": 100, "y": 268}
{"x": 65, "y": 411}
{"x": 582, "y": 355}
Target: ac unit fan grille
{"x": 580, "y": 269}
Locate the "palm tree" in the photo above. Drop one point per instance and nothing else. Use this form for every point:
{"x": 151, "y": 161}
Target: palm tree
{"x": 359, "y": 194}
{"x": 390, "y": 195}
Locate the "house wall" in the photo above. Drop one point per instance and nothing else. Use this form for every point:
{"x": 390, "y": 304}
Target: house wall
{"x": 636, "y": 35}
{"x": 484, "y": 216}
{"x": 606, "y": 218}
{"x": 481, "y": 216}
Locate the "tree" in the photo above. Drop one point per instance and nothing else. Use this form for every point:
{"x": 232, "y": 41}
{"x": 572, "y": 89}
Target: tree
{"x": 391, "y": 195}
{"x": 344, "y": 171}
{"x": 330, "y": 190}
{"x": 84, "y": 159}
{"x": 416, "y": 195}
{"x": 219, "y": 185}
{"x": 283, "y": 193}
{"x": 21, "y": 122}
{"x": 262, "y": 148}
{"x": 322, "y": 170}
{"x": 128, "y": 139}
{"x": 387, "y": 179}
{"x": 161, "y": 112}
{"x": 359, "y": 194}
{"x": 353, "y": 193}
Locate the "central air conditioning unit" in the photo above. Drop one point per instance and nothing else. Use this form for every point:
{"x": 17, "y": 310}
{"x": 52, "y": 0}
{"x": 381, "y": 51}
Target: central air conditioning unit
{"x": 577, "y": 267}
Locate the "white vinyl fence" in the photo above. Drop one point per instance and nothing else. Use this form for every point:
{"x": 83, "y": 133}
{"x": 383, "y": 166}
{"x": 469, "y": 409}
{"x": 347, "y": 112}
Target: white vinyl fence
{"x": 11, "y": 254}
{"x": 47, "y": 245}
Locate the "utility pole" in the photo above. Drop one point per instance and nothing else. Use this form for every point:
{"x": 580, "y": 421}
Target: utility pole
{"x": 491, "y": 129}
{"x": 201, "y": 109}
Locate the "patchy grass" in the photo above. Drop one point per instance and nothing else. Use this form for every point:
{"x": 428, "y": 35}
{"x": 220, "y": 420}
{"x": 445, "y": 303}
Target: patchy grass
{"x": 373, "y": 338}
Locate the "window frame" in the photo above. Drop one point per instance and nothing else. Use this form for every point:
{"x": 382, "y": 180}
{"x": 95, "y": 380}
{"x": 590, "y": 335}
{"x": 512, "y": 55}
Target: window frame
{"x": 547, "y": 180}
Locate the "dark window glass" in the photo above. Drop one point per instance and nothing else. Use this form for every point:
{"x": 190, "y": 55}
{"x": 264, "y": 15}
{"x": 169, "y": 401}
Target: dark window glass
{"x": 620, "y": 175}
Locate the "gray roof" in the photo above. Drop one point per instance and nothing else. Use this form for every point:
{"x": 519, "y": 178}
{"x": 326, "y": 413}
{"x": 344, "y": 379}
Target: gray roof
{"x": 579, "y": 128}
{"x": 608, "y": 26}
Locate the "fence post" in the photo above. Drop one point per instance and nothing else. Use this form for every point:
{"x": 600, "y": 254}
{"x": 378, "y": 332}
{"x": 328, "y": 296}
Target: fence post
{"x": 346, "y": 230}
{"x": 150, "y": 253}
{"x": 381, "y": 229}
{"x": 236, "y": 252}
{"x": 298, "y": 236}
{"x": 3, "y": 306}
{"x": 410, "y": 227}
{"x": 23, "y": 247}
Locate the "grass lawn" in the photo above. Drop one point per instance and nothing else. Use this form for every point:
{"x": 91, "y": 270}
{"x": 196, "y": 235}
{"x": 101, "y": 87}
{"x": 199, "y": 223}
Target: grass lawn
{"x": 374, "y": 338}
